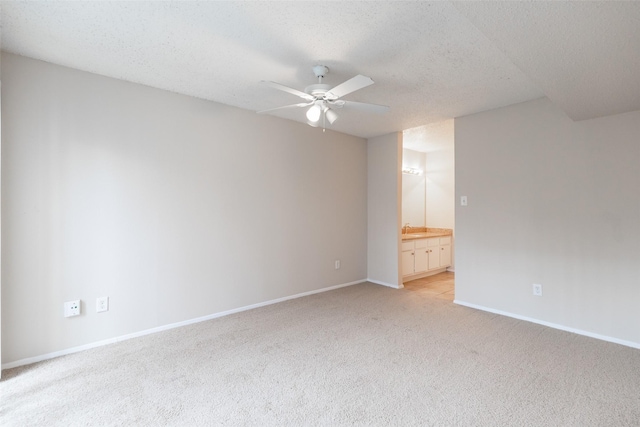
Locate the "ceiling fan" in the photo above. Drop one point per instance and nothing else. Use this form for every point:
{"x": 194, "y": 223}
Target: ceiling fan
{"x": 323, "y": 100}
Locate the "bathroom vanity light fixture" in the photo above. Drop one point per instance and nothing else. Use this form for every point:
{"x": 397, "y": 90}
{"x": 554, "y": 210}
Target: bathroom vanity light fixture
{"x": 411, "y": 171}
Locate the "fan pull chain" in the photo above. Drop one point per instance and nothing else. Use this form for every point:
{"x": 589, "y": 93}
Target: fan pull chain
{"x": 324, "y": 122}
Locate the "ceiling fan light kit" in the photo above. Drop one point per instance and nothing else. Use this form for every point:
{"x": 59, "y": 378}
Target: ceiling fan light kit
{"x": 313, "y": 113}
{"x": 330, "y": 115}
{"x": 322, "y": 98}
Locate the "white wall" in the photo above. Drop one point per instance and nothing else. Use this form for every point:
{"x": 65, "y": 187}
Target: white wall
{"x": 384, "y": 154}
{"x": 440, "y": 177}
{"x": 0, "y": 197}
{"x": 173, "y": 207}
{"x": 414, "y": 189}
{"x": 554, "y": 202}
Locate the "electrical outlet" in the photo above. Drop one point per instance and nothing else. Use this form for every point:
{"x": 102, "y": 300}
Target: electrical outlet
{"x": 537, "y": 289}
{"x": 463, "y": 200}
{"x": 72, "y": 308}
{"x": 102, "y": 304}
{"x": 337, "y": 264}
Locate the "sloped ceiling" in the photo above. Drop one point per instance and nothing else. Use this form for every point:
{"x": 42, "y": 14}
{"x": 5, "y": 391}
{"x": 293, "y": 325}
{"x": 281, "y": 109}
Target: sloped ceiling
{"x": 584, "y": 56}
{"x": 430, "y": 61}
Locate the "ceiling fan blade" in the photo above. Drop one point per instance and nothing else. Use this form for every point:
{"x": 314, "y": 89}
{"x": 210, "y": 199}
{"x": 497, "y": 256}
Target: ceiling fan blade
{"x": 302, "y": 104}
{"x": 361, "y": 106}
{"x": 351, "y": 85}
{"x": 292, "y": 91}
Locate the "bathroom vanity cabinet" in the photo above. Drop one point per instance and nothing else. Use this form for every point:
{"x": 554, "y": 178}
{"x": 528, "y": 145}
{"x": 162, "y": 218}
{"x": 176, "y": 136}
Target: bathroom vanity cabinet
{"x": 422, "y": 257}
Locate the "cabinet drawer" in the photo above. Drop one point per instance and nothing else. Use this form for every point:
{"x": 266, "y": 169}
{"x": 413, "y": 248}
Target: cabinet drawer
{"x": 445, "y": 240}
{"x": 422, "y": 243}
{"x": 407, "y": 246}
{"x": 433, "y": 242}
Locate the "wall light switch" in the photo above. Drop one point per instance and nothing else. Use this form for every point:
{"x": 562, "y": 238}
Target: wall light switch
{"x": 463, "y": 201}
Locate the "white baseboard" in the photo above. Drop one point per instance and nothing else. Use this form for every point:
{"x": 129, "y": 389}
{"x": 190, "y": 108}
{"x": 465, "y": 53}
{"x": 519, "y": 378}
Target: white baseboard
{"x": 551, "y": 325}
{"x": 30, "y": 360}
{"x": 377, "y": 282}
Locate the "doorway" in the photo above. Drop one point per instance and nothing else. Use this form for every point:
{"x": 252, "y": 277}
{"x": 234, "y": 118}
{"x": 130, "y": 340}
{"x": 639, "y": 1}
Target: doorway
{"x": 428, "y": 194}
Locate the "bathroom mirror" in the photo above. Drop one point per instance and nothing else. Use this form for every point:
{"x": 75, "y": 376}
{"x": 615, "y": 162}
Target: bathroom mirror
{"x": 414, "y": 188}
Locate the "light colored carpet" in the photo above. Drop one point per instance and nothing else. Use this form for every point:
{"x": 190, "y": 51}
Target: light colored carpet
{"x": 362, "y": 355}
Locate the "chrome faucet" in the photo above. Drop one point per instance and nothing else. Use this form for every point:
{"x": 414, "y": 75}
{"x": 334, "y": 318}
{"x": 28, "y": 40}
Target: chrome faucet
{"x": 406, "y": 228}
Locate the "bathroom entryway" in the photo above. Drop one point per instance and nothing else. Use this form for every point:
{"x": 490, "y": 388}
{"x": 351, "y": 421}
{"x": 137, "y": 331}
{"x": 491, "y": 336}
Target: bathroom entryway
{"x": 428, "y": 203}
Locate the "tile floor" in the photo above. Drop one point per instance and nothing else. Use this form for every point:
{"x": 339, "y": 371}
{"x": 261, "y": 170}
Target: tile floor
{"x": 439, "y": 285}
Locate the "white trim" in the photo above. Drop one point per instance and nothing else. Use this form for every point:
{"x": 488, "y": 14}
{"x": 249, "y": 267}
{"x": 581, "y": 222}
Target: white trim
{"x": 30, "y": 360}
{"x": 377, "y": 282}
{"x": 551, "y": 325}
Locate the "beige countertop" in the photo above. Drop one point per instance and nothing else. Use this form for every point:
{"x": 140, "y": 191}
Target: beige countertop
{"x": 424, "y": 233}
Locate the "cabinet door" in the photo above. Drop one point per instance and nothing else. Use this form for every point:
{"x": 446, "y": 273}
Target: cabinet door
{"x": 421, "y": 263}
{"x": 407, "y": 262}
{"x": 445, "y": 256}
{"x": 434, "y": 258}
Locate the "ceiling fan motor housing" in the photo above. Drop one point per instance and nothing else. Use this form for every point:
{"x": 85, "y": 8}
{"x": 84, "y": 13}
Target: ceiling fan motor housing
{"x": 317, "y": 90}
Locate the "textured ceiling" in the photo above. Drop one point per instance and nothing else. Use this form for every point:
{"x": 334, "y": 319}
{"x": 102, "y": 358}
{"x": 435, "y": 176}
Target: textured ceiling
{"x": 438, "y": 136}
{"x": 430, "y": 61}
